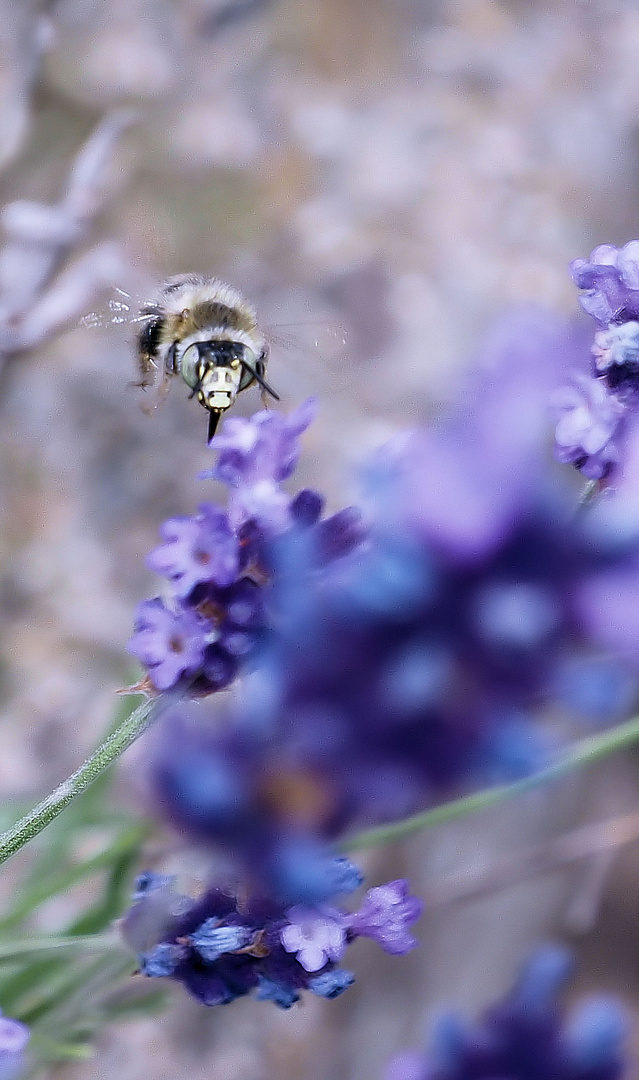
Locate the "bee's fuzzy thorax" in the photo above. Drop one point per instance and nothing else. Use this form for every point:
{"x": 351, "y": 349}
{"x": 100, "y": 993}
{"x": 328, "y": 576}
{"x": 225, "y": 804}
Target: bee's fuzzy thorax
{"x": 194, "y": 304}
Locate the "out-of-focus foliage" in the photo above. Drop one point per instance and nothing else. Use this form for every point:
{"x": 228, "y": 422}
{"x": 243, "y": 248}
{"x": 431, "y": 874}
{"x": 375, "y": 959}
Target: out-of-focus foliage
{"x": 63, "y": 970}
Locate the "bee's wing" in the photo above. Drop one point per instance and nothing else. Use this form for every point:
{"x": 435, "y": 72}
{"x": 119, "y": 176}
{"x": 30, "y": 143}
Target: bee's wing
{"x": 305, "y": 357}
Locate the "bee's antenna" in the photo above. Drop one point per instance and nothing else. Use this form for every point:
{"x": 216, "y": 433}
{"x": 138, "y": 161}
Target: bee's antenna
{"x": 214, "y": 419}
{"x": 263, "y": 383}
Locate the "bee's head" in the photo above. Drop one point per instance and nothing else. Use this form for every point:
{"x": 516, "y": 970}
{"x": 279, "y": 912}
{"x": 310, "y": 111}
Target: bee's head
{"x": 214, "y": 370}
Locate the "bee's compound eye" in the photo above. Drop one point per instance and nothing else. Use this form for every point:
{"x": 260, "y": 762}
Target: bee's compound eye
{"x": 189, "y": 366}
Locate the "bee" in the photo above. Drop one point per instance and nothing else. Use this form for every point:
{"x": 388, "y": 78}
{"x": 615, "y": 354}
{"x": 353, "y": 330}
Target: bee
{"x": 205, "y": 331}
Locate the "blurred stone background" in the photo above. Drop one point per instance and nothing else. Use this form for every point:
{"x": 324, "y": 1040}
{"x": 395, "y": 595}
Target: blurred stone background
{"x": 380, "y": 177}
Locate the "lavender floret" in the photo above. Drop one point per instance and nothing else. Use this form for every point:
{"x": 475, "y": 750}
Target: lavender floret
{"x": 198, "y": 549}
{"x": 314, "y": 935}
{"x": 171, "y": 644}
{"x": 385, "y": 916}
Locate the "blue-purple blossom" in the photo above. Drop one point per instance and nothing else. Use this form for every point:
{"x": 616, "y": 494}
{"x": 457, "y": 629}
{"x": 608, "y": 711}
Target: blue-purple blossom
{"x": 264, "y": 447}
{"x": 221, "y": 947}
{"x": 526, "y": 1036}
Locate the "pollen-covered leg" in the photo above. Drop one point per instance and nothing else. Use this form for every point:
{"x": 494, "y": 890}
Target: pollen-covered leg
{"x": 147, "y": 351}
{"x": 159, "y": 395}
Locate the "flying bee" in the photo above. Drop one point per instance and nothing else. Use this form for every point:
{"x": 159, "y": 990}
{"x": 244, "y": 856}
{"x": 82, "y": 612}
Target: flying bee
{"x": 205, "y": 331}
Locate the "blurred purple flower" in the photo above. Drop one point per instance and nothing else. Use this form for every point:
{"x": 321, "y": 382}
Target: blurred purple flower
{"x": 609, "y": 280}
{"x": 526, "y": 1037}
{"x": 222, "y": 948}
{"x": 588, "y": 419}
{"x": 416, "y": 664}
{"x": 599, "y": 408}
{"x": 14, "y": 1037}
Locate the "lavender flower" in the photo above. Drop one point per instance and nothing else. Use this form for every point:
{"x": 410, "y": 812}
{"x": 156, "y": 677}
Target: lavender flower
{"x": 222, "y": 948}
{"x": 255, "y": 456}
{"x": 526, "y": 1037}
{"x": 217, "y": 561}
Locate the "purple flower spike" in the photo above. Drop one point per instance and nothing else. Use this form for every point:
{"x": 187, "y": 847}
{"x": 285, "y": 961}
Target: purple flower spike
{"x": 198, "y": 549}
{"x": 169, "y": 643}
{"x": 385, "y": 916}
{"x": 315, "y": 935}
{"x": 221, "y": 947}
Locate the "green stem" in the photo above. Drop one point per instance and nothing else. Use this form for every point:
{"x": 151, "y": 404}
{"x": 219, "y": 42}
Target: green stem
{"x": 16, "y": 950}
{"x": 584, "y": 752}
{"x": 43, "y": 814}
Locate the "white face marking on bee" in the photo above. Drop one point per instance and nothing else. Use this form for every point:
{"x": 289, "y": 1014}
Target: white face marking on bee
{"x": 219, "y": 387}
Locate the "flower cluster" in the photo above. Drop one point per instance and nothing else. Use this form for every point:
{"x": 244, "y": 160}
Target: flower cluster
{"x": 418, "y": 662}
{"x": 597, "y": 411}
{"x": 217, "y": 560}
{"x": 221, "y": 946}
{"x": 526, "y": 1037}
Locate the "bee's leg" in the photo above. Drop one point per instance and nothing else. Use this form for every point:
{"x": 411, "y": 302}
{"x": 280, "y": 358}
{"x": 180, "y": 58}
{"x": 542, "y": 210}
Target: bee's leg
{"x": 147, "y": 369}
{"x": 147, "y": 352}
{"x": 161, "y": 384}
